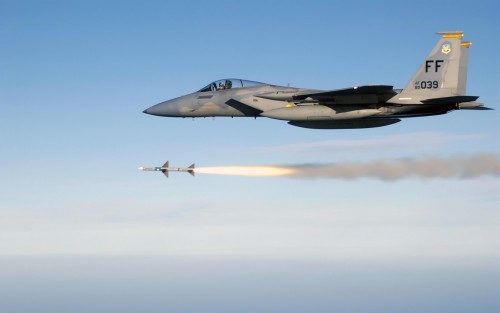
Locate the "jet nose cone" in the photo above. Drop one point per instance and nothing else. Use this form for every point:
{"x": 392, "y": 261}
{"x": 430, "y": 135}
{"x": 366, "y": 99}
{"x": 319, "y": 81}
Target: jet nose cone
{"x": 154, "y": 110}
{"x": 158, "y": 109}
{"x": 166, "y": 108}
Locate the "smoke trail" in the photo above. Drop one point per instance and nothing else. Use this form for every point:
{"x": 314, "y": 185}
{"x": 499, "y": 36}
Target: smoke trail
{"x": 459, "y": 167}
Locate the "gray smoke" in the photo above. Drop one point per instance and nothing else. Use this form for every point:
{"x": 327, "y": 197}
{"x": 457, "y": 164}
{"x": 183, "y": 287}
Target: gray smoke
{"x": 460, "y": 167}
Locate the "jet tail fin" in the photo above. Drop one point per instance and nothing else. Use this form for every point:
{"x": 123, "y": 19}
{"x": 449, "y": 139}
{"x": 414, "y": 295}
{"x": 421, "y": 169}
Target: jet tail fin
{"x": 442, "y": 74}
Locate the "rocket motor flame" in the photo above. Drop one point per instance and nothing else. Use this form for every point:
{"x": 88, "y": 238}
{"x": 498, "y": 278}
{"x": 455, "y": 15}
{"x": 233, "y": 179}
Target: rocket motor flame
{"x": 247, "y": 170}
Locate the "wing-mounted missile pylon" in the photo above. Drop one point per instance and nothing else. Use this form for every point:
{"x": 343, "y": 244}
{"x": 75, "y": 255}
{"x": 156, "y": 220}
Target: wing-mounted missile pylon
{"x": 165, "y": 169}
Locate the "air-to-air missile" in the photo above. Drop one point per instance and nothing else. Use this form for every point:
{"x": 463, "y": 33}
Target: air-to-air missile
{"x": 165, "y": 169}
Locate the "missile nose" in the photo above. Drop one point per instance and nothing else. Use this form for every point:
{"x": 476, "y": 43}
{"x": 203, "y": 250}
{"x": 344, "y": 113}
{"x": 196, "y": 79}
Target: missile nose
{"x": 145, "y": 111}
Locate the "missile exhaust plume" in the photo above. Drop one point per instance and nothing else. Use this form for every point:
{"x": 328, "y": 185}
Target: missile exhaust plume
{"x": 247, "y": 170}
{"x": 458, "y": 167}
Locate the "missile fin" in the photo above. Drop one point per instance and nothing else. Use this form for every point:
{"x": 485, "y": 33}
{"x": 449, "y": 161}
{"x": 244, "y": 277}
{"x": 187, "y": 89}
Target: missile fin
{"x": 191, "y": 169}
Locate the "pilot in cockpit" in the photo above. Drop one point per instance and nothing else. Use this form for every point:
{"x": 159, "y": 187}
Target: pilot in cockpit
{"x": 221, "y": 86}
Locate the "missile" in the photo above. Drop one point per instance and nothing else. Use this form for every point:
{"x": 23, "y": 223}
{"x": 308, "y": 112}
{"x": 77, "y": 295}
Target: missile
{"x": 165, "y": 169}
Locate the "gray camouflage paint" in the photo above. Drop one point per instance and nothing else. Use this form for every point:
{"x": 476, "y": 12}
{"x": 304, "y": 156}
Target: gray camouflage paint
{"x": 437, "y": 87}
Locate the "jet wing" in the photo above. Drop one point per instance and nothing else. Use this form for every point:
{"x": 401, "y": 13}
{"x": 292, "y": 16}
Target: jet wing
{"x": 353, "y": 91}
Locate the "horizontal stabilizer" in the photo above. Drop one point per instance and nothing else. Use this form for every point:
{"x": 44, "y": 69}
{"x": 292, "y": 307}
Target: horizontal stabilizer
{"x": 479, "y": 108}
{"x": 473, "y": 106}
{"x": 450, "y": 100}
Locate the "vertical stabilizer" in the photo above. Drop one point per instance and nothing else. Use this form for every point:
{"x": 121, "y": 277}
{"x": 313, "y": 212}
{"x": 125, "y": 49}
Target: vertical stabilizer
{"x": 442, "y": 74}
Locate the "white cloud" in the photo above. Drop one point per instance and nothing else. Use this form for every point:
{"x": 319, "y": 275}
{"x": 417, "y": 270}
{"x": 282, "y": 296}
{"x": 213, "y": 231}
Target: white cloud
{"x": 428, "y": 221}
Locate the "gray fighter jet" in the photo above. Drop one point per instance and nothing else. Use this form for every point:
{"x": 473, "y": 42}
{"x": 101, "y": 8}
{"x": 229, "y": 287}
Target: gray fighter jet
{"x": 437, "y": 87}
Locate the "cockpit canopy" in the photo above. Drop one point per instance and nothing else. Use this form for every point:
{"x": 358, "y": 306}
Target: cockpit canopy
{"x": 229, "y": 84}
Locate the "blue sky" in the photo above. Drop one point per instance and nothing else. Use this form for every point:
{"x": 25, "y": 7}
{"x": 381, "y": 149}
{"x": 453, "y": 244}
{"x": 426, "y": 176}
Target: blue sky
{"x": 76, "y": 76}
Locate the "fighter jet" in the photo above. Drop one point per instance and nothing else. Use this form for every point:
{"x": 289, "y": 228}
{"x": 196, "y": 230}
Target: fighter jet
{"x": 165, "y": 169}
{"x": 437, "y": 87}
